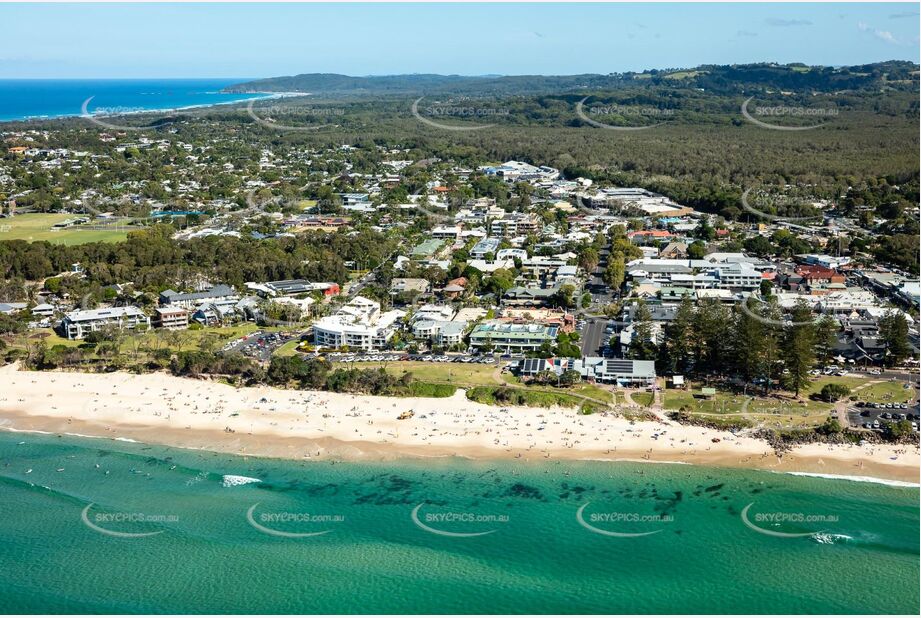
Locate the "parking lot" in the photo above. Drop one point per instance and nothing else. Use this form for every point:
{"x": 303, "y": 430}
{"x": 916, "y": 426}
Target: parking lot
{"x": 874, "y": 415}
{"x": 259, "y": 345}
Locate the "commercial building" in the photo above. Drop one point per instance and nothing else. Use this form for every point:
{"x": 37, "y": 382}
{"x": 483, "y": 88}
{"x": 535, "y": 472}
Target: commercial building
{"x": 359, "y": 325}
{"x": 288, "y": 287}
{"x": 634, "y": 373}
{"x": 511, "y": 338}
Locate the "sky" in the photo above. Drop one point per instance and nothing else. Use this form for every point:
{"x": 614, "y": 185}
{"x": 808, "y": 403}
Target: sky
{"x": 264, "y": 40}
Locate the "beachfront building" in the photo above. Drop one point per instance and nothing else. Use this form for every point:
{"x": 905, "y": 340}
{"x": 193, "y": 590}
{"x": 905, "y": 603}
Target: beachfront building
{"x": 220, "y": 312}
{"x": 171, "y": 318}
{"x": 623, "y": 372}
{"x": 78, "y": 324}
{"x": 441, "y": 325}
{"x": 191, "y": 300}
{"x": 442, "y": 333}
{"x": 511, "y": 338}
{"x": 358, "y": 325}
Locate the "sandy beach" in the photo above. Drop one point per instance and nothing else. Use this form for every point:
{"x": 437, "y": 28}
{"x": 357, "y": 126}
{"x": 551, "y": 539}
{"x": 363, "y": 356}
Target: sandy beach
{"x": 271, "y": 422}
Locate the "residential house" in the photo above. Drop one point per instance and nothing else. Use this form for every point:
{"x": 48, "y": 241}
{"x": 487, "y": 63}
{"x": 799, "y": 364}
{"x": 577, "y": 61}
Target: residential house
{"x": 409, "y": 287}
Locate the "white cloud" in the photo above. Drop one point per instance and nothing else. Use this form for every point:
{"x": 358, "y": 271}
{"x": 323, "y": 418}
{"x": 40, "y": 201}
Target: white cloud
{"x": 882, "y": 35}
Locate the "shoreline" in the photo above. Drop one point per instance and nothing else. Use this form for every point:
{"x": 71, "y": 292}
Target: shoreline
{"x": 318, "y": 425}
{"x": 156, "y": 110}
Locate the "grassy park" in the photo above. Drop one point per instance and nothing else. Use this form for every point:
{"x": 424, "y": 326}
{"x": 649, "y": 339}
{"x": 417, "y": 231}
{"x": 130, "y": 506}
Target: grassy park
{"x": 472, "y": 375}
{"x": 33, "y": 227}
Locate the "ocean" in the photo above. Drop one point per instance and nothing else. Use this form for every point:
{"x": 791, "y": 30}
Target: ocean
{"x": 22, "y": 99}
{"x": 106, "y": 526}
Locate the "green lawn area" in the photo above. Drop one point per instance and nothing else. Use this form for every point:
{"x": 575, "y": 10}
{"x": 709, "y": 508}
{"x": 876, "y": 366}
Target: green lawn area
{"x": 461, "y": 374}
{"x": 470, "y": 375}
{"x": 721, "y": 403}
{"x": 852, "y": 382}
{"x": 772, "y": 412}
{"x": 595, "y": 392}
{"x": 287, "y": 349}
{"x": 47, "y": 335}
{"x": 885, "y": 392}
{"x": 643, "y": 399}
{"x": 33, "y": 227}
{"x": 527, "y": 397}
{"x": 189, "y": 339}
{"x": 148, "y": 339}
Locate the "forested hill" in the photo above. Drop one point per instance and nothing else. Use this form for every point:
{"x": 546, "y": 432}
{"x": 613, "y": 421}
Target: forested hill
{"x": 723, "y": 79}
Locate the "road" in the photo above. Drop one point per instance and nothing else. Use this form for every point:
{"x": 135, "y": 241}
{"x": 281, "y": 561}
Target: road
{"x": 368, "y": 278}
{"x": 593, "y": 336}
{"x": 601, "y": 294}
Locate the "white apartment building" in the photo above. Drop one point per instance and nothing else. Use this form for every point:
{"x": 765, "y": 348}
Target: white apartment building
{"x": 515, "y": 224}
{"x": 78, "y": 324}
{"x": 360, "y": 325}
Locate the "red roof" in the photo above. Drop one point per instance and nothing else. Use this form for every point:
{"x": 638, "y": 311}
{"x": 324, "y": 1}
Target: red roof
{"x": 653, "y": 233}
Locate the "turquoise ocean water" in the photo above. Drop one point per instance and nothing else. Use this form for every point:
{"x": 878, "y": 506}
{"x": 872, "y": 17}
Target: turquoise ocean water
{"x": 22, "y": 99}
{"x": 217, "y": 548}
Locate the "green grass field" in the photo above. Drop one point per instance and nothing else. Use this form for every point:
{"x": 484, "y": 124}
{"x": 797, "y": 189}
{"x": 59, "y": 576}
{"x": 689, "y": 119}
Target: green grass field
{"x": 885, "y": 392}
{"x": 643, "y": 399}
{"x": 771, "y": 412}
{"x": 188, "y": 339}
{"x": 36, "y": 335}
{"x": 471, "y": 375}
{"x": 852, "y": 382}
{"x": 461, "y": 374}
{"x": 32, "y": 227}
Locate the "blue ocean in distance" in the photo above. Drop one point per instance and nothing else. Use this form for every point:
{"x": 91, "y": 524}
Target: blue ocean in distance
{"x": 29, "y": 99}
